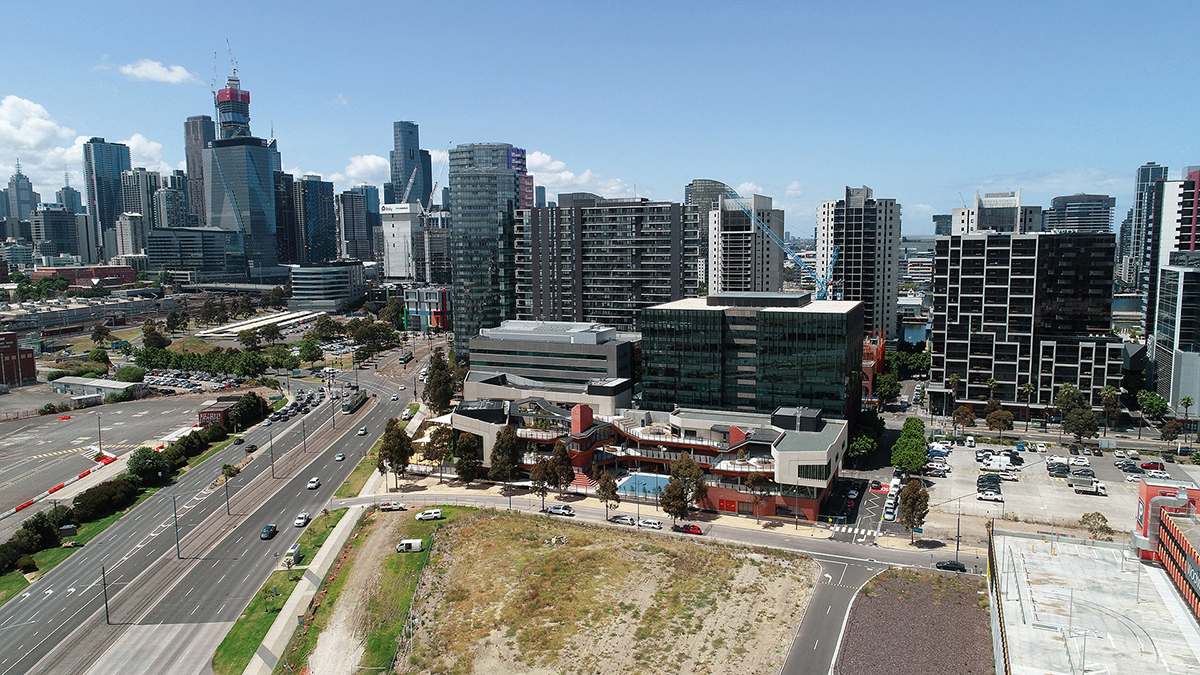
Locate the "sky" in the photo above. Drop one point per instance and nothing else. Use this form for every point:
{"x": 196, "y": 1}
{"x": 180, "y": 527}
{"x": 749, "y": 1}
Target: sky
{"x": 923, "y": 102}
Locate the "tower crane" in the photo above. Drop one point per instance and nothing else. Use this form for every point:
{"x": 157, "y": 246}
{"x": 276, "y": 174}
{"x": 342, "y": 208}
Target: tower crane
{"x": 823, "y": 282}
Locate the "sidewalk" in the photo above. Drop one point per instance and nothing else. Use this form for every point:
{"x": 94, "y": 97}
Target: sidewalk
{"x": 274, "y": 645}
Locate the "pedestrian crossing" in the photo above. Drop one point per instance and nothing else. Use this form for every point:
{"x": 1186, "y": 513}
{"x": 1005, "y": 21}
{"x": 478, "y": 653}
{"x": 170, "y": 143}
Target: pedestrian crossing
{"x": 73, "y": 451}
{"x": 855, "y": 531}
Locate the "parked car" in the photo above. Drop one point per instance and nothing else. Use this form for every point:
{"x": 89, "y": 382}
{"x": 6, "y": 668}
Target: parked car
{"x": 990, "y": 496}
{"x": 876, "y": 485}
{"x": 268, "y": 531}
{"x": 314, "y": 483}
{"x": 952, "y": 566}
{"x": 430, "y": 514}
{"x": 1153, "y": 465}
{"x": 1079, "y": 461}
{"x": 1157, "y": 473}
{"x": 688, "y": 529}
{"x": 650, "y": 524}
{"x": 624, "y": 520}
{"x": 561, "y": 510}
{"x": 1097, "y": 452}
{"x": 1119, "y": 454}
{"x": 1133, "y": 470}
{"x": 1041, "y": 447}
{"x": 1084, "y": 472}
{"x": 302, "y": 519}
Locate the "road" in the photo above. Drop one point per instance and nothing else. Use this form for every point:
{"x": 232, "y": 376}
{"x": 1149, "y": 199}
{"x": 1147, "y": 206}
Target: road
{"x": 169, "y": 614}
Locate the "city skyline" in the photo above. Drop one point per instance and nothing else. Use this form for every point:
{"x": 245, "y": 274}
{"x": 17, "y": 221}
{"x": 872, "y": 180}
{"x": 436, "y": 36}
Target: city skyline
{"x": 1060, "y": 129}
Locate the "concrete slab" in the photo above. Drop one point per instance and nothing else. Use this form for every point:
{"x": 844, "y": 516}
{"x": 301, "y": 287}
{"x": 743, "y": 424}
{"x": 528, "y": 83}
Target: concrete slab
{"x": 139, "y": 651}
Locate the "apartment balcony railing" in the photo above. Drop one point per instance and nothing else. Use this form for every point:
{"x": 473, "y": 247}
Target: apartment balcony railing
{"x": 644, "y": 434}
{"x": 539, "y": 434}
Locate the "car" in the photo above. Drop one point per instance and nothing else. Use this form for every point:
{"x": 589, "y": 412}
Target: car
{"x": 1133, "y": 469}
{"x": 1079, "y": 461}
{"x": 876, "y": 485}
{"x": 362, "y": 431}
{"x": 395, "y": 397}
{"x": 951, "y": 566}
{"x": 1156, "y": 473}
{"x": 1041, "y": 447}
{"x": 341, "y": 456}
{"x": 561, "y": 510}
{"x": 849, "y": 505}
{"x": 1124, "y": 462}
{"x": 624, "y": 520}
{"x": 688, "y": 529}
{"x": 889, "y": 514}
{"x": 268, "y": 531}
{"x": 1055, "y": 459}
{"x": 853, "y": 494}
{"x": 302, "y": 519}
{"x": 1020, "y": 447}
{"x": 430, "y": 514}
{"x": 933, "y": 472}
{"x": 1097, "y": 452}
{"x": 1059, "y": 473}
{"x": 650, "y": 523}
{"x": 1084, "y": 472}
{"x": 1073, "y": 449}
{"x": 1186, "y": 450}
{"x": 407, "y": 415}
{"x": 1119, "y": 454}
{"x": 251, "y": 448}
{"x": 401, "y": 387}
{"x": 991, "y": 496}
{"x": 239, "y": 440}
{"x": 314, "y": 483}
{"x": 267, "y": 422}
{"x": 1153, "y": 465}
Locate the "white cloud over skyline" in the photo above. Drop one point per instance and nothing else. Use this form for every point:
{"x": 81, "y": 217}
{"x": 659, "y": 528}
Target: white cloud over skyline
{"x": 154, "y": 71}
{"x": 556, "y": 177}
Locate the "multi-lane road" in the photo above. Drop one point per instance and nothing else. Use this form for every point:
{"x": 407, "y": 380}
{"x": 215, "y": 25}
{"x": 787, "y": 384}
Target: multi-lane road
{"x": 167, "y": 613}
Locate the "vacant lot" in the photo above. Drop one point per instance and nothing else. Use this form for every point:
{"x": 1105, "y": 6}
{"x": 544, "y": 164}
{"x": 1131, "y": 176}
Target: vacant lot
{"x": 910, "y": 622}
{"x": 510, "y": 593}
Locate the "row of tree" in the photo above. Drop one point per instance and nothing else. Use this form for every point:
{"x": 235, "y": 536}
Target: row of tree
{"x": 218, "y": 361}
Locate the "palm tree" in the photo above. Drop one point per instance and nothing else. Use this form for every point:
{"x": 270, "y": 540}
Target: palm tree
{"x": 954, "y": 380}
{"x": 1185, "y": 403}
{"x": 1110, "y": 396}
{"x": 991, "y": 385}
{"x": 1028, "y": 390}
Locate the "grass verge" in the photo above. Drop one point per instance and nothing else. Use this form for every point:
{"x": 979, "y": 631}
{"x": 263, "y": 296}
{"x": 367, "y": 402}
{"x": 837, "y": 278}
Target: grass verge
{"x": 357, "y": 478}
{"x": 316, "y": 533}
{"x": 240, "y": 643}
{"x": 193, "y": 461}
{"x": 11, "y": 584}
{"x": 279, "y": 404}
{"x": 194, "y": 345}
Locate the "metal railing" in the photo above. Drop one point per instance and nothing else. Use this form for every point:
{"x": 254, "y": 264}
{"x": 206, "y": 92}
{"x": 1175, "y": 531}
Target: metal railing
{"x": 1003, "y": 663}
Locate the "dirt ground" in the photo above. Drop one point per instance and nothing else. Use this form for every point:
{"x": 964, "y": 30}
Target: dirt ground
{"x": 912, "y": 622}
{"x": 508, "y": 593}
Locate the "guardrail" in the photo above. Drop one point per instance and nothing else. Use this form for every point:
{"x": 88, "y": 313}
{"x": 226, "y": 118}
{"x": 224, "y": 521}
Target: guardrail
{"x": 999, "y": 636}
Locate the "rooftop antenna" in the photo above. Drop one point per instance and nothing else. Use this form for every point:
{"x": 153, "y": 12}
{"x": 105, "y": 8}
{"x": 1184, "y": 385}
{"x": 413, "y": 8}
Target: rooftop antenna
{"x": 18, "y": 165}
{"x": 66, "y": 178}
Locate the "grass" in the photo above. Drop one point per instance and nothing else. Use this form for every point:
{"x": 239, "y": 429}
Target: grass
{"x": 191, "y": 344}
{"x": 243, "y": 639}
{"x": 354, "y": 483}
{"x": 279, "y": 404}
{"x": 316, "y": 533}
{"x": 11, "y": 584}
{"x": 83, "y": 343}
{"x": 193, "y": 461}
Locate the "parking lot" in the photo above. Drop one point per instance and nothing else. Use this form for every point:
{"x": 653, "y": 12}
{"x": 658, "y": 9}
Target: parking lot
{"x": 177, "y": 380}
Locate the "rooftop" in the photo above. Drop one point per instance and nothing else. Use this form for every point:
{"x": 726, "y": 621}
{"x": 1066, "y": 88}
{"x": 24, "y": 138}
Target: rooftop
{"x": 551, "y": 331}
{"x": 96, "y": 382}
{"x": 708, "y": 304}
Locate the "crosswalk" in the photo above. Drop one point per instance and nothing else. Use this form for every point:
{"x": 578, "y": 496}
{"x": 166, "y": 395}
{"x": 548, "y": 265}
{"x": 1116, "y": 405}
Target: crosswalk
{"x": 853, "y": 531}
{"x": 72, "y": 451}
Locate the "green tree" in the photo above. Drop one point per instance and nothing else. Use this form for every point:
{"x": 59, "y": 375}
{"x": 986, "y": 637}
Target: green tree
{"x": 861, "y": 446}
{"x": 393, "y": 313}
{"x": 325, "y": 328}
{"x": 1081, "y": 423}
{"x": 953, "y": 381}
{"x": 887, "y": 387}
{"x": 1185, "y": 403}
{"x": 760, "y": 488}
{"x": 439, "y": 446}
{"x": 155, "y": 340}
{"x": 674, "y": 500}
{"x": 914, "y": 507}
{"x": 249, "y": 338}
{"x": 914, "y": 425}
{"x": 441, "y": 387}
{"x": 964, "y": 416}
{"x": 1000, "y": 420}
{"x": 909, "y": 453}
{"x": 541, "y": 478}
{"x": 1153, "y": 405}
{"x": 395, "y": 452}
{"x": 1027, "y": 390}
{"x": 560, "y": 464}
{"x": 504, "y": 455}
{"x": 101, "y": 334}
{"x": 150, "y": 466}
{"x": 1170, "y": 431}
{"x": 467, "y": 464}
{"x": 1110, "y": 398}
{"x": 270, "y": 333}
{"x": 1069, "y": 398}
{"x": 130, "y": 374}
{"x": 1097, "y": 526}
{"x": 691, "y": 476}
{"x": 99, "y": 356}
{"x": 310, "y": 352}
{"x": 606, "y": 490}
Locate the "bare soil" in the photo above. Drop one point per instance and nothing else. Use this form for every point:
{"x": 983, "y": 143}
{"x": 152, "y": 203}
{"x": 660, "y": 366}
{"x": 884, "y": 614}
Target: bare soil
{"x": 913, "y": 622}
{"x": 508, "y": 593}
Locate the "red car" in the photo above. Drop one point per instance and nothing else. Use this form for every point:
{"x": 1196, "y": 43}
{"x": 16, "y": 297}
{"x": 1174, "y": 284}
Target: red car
{"x": 688, "y": 529}
{"x": 1153, "y": 465}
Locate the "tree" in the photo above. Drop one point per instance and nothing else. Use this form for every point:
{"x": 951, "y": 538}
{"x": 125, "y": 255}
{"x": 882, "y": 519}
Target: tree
{"x": 909, "y": 453}
{"x": 208, "y": 312}
{"x": 393, "y": 313}
{"x": 130, "y": 374}
{"x": 1185, "y": 403}
{"x": 861, "y": 446}
{"x": 1110, "y": 398}
{"x": 309, "y": 351}
{"x": 325, "y": 328}
{"x": 148, "y": 465}
{"x": 606, "y": 490}
{"x": 691, "y": 477}
{"x": 155, "y": 340}
{"x": 101, "y": 334}
{"x": 441, "y": 387}
{"x": 887, "y": 387}
{"x": 1170, "y": 431}
{"x": 991, "y": 385}
{"x": 1081, "y": 423}
{"x": 99, "y": 356}
{"x": 914, "y": 506}
{"x": 396, "y": 450}
{"x": 1001, "y": 421}
{"x": 759, "y": 486}
{"x": 964, "y": 416}
{"x": 954, "y": 380}
{"x": 674, "y": 500}
{"x": 1028, "y": 389}
{"x": 467, "y": 464}
{"x": 1069, "y": 398}
{"x": 270, "y": 333}
{"x": 249, "y": 338}
{"x": 992, "y": 406}
{"x": 1153, "y": 405}
{"x": 176, "y": 321}
{"x": 439, "y": 446}
{"x": 560, "y": 464}
{"x": 1097, "y": 526}
{"x": 504, "y": 455}
{"x": 541, "y": 478}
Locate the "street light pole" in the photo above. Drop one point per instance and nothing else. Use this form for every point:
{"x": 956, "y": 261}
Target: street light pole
{"x": 104, "y": 586}
{"x": 227, "y": 496}
{"x": 175, "y": 513}
{"x": 99, "y": 440}
{"x": 304, "y": 435}
{"x": 271, "y": 449}
{"x": 958, "y": 535}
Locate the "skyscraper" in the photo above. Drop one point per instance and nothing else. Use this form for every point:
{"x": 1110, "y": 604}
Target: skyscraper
{"x": 22, "y": 200}
{"x": 103, "y": 163}
{"x": 239, "y": 188}
{"x": 1080, "y": 213}
{"x": 866, "y": 232}
{"x": 1172, "y": 227}
{"x": 352, "y": 220}
{"x": 55, "y": 223}
{"x": 365, "y": 236}
{"x": 198, "y": 132}
{"x": 703, "y": 192}
{"x": 1177, "y": 329}
{"x": 317, "y": 220}
{"x": 426, "y": 177}
{"x": 69, "y": 196}
{"x": 401, "y": 224}
{"x": 539, "y": 196}
{"x": 287, "y": 228}
{"x": 1000, "y": 212}
{"x": 233, "y": 109}
{"x": 406, "y": 163}
{"x": 741, "y": 258}
{"x": 137, "y": 193}
{"x": 484, "y": 190}
{"x": 170, "y": 207}
{"x": 943, "y": 225}
{"x": 1143, "y": 210}
{"x": 132, "y": 230}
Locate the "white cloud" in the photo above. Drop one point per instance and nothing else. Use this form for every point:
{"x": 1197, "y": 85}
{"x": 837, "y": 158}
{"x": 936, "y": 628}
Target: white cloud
{"x": 146, "y": 153}
{"x": 45, "y": 148}
{"x": 794, "y": 190}
{"x": 371, "y": 169}
{"x": 155, "y": 71}
{"x": 746, "y": 189}
{"x": 554, "y": 175}
{"x": 436, "y": 157}
{"x": 340, "y": 100}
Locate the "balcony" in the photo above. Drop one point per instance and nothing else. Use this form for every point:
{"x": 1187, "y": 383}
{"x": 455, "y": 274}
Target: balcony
{"x": 658, "y": 434}
{"x": 539, "y": 434}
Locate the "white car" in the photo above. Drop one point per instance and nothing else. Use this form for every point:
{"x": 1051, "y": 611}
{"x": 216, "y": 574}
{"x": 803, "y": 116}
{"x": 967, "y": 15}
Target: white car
{"x": 401, "y": 387}
{"x": 266, "y": 423}
{"x": 624, "y": 520}
{"x": 362, "y": 431}
{"x": 561, "y": 510}
{"x": 990, "y": 496}
{"x": 1041, "y": 447}
{"x": 1056, "y": 459}
{"x": 649, "y": 523}
{"x": 302, "y": 519}
{"x": 395, "y": 397}
{"x": 1119, "y": 454}
{"x": 1079, "y": 461}
{"x": 314, "y": 483}
{"x": 341, "y": 456}
{"x": 1158, "y": 473}
{"x": 430, "y": 514}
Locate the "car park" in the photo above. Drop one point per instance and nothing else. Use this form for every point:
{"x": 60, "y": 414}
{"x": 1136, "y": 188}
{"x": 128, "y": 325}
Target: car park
{"x": 1079, "y": 461}
{"x": 341, "y": 456}
{"x": 688, "y": 529}
{"x": 624, "y": 520}
{"x": 952, "y": 566}
{"x": 1041, "y": 447}
{"x": 429, "y": 514}
{"x": 268, "y": 531}
{"x": 561, "y": 510}
{"x": 302, "y": 519}
{"x": 314, "y": 483}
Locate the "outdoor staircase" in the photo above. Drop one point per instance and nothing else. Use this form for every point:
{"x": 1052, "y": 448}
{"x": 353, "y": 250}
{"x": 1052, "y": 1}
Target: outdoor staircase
{"x": 583, "y": 482}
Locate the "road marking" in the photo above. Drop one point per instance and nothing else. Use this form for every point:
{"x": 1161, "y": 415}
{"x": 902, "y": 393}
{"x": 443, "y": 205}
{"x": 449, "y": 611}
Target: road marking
{"x": 815, "y": 645}
{"x": 827, "y": 609}
{"x": 189, "y": 591}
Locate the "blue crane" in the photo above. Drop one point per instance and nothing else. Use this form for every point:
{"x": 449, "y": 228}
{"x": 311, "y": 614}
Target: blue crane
{"x": 824, "y": 282}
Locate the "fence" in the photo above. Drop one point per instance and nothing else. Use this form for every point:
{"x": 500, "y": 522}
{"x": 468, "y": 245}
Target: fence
{"x": 999, "y": 638}
{"x": 405, "y": 641}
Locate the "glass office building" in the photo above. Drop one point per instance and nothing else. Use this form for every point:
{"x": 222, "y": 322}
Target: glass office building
{"x": 239, "y": 190}
{"x": 753, "y": 352}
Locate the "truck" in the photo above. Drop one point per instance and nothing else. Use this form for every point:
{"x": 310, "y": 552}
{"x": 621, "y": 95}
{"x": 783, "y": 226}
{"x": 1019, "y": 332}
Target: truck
{"x": 996, "y": 463}
{"x": 1086, "y": 485}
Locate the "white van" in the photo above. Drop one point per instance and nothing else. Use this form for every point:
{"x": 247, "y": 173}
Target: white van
{"x": 410, "y": 545}
{"x": 970, "y": 441}
{"x": 1000, "y": 463}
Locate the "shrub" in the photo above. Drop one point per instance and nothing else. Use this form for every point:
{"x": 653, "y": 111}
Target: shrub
{"x": 105, "y": 499}
{"x": 26, "y": 564}
{"x": 48, "y": 409}
{"x": 130, "y": 374}
{"x": 216, "y": 433}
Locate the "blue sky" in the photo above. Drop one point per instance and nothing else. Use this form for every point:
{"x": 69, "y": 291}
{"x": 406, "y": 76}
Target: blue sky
{"x": 919, "y": 101}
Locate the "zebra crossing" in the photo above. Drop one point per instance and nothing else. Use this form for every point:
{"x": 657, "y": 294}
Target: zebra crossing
{"x": 853, "y": 531}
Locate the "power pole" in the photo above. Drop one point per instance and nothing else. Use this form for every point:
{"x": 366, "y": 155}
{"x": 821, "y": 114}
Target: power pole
{"x": 175, "y": 513}
{"x": 104, "y": 586}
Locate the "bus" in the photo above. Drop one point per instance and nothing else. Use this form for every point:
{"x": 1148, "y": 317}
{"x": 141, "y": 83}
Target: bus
{"x": 351, "y": 404}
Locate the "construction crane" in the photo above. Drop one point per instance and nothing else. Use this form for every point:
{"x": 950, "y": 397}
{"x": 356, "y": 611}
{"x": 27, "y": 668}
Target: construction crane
{"x": 408, "y": 188}
{"x": 824, "y": 282}
{"x": 437, "y": 181}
